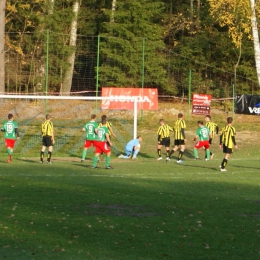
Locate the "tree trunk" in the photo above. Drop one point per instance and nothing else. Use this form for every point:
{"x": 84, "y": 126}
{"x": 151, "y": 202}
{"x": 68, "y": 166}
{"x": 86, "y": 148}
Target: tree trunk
{"x": 112, "y": 19}
{"x": 2, "y": 45}
{"x": 66, "y": 88}
{"x": 256, "y": 40}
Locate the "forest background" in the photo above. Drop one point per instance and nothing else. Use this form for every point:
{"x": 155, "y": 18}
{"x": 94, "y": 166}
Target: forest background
{"x": 65, "y": 46}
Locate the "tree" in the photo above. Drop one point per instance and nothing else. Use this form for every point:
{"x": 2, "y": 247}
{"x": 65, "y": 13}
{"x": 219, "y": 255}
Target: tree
{"x": 240, "y": 18}
{"x": 132, "y": 43}
{"x": 2, "y": 45}
{"x": 66, "y": 87}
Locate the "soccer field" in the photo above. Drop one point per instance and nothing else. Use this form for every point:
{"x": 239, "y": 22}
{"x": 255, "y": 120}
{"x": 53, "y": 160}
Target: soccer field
{"x": 141, "y": 209}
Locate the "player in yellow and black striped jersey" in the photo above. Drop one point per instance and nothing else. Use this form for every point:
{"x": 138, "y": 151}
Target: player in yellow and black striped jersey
{"x": 47, "y": 138}
{"x": 180, "y": 138}
{"x": 163, "y": 133}
{"x": 227, "y": 142}
{"x": 213, "y": 127}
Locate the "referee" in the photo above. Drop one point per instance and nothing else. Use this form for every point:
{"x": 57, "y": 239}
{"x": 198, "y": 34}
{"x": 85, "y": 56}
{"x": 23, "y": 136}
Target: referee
{"x": 163, "y": 133}
{"x": 47, "y": 138}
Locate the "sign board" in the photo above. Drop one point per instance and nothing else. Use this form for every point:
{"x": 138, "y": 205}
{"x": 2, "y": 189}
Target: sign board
{"x": 201, "y": 104}
{"x": 147, "y": 98}
{"x": 247, "y": 104}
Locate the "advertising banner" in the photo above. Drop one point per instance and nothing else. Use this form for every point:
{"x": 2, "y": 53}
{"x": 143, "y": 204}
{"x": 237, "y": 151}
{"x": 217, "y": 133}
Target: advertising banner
{"x": 201, "y": 104}
{"x": 247, "y": 104}
{"x": 147, "y": 98}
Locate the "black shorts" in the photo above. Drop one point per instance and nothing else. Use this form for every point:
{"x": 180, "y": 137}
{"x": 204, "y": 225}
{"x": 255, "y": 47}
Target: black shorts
{"x": 227, "y": 150}
{"x": 179, "y": 142}
{"x": 166, "y": 142}
{"x": 47, "y": 141}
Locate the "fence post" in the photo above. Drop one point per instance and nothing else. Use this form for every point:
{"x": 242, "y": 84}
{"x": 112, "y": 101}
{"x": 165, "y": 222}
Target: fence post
{"x": 189, "y": 94}
{"x": 47, "y": 70}
{"x": 98, "y": 50}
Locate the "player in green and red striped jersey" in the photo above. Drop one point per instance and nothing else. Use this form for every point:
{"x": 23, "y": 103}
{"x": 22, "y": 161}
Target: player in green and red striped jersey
{"x": 91, "y": 135}
{"x": 202, "y": 137}
{"x": 102, "y": 144}
{"x": 11, "y": 134}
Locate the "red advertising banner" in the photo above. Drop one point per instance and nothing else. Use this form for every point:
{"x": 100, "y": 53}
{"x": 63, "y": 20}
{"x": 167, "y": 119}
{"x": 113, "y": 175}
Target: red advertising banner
{"x": 201, "y": 104}
{"x": 147, "y": 98}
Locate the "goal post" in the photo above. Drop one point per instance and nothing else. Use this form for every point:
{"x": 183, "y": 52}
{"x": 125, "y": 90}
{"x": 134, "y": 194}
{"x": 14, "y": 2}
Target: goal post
{"x": 36, "y": 97}
{"x": 70, "y": 114}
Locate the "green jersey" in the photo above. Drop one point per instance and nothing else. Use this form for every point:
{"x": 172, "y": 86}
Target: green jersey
{"x": 11, "y": 129}
{"x": 102, "y": 131}
{"x": 203, "y": 133}
{"x": 90, "y": 130}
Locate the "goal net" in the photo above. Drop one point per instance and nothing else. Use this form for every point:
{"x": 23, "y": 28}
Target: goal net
{"x": 69, "y": 114}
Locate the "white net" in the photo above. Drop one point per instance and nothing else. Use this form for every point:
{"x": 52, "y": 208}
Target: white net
{"x": 69, "y": 114}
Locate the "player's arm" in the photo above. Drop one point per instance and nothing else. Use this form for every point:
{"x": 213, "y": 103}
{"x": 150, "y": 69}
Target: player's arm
{"x": 216, "y": 129}
{"x": 108, "y": 139}
{"x": 111, "y": 130}
{"x": 17, "y": 133}
{"x": 183, "y": 134}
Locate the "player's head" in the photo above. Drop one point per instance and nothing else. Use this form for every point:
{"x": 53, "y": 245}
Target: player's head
{"x": 139, "y": 137}
{"x": 180, "y": 115}
{"x": 103, "y": 117}
{"x": 10, "y": 116}
{"x": 48, "y": 117}
{"x": 200, "y": 123}
{"x": 229, "y": 120}
{"x": 207, "y": 118}
{"x": 103, "y": 120}
{"x": 93, "y": 116}
{"x": 161, "y": 121}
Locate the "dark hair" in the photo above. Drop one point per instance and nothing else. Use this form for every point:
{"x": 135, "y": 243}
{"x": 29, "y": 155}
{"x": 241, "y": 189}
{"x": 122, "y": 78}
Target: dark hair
{"x": 48, "y": 116}
{"x": 200, "y": 122}
{"x": 229, "y": 120}
{"x": 93, "y": 116}
{"x": 208, "y": 116}
{"x": 180, "y": 115}
{"x": 104, "y": 120}
{"x": 103, "y": 117}
{"x": 161, "y": 120}
{"x": 10, "y": 116}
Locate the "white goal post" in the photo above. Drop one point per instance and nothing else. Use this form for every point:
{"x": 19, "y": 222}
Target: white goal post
{"x": 132, "y": 99}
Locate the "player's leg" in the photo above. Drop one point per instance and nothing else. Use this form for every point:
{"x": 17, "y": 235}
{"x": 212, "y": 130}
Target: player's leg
{"x": 159, "y": 152}
{"x": 227, "y": 152}
{"x": 136, "y": 150}
{"x": 181, "y": 152}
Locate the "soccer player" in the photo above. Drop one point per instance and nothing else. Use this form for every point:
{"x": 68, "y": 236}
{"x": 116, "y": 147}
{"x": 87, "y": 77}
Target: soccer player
{"x": 227, "y": 142}
{"x": 132, "y": 148}
{"x": 108, "y": 125}
{"x": 11, "y": 134}
{"x": 202, "y": 137}
{"x": 213, "y": 128}
{"x": 89, "y": 128}
{"x": 47, "y": 139}
{"x": 101, "y": 145}
{"x": 163, "y": 133}
{"x": 179, "y": 138}
{"x": 110, "y": 130}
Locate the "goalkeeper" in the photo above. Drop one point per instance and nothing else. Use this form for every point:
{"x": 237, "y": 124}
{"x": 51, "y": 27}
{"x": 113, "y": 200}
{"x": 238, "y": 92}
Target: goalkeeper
{"x": 132, "y": 148}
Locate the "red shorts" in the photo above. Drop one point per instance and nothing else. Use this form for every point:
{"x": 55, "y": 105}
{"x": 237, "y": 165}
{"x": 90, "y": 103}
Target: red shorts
{"x": 200, "y": 144}
{"x": 88, "y": 143}
{"x": 9, "y": 143}
{"x": 101, "y": 147}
